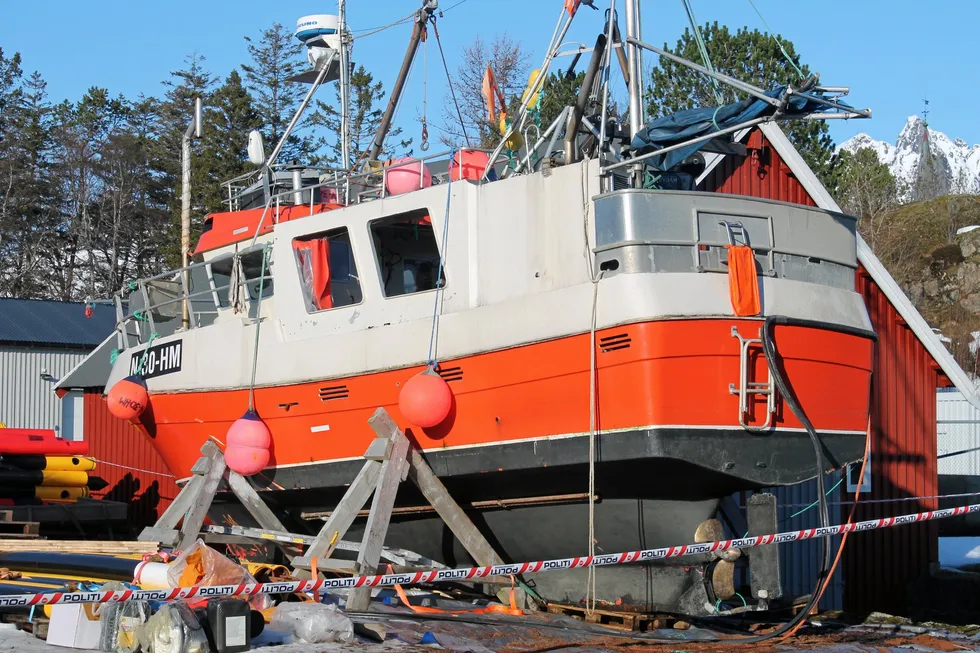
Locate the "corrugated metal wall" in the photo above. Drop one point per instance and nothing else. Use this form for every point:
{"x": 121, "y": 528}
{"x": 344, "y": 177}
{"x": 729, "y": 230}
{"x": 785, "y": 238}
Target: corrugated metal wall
{"x": 761, "y": 174}
{"x": 957, "y": 430}
{"x": 127, "y": 460}
{"x": 26, "y": 400}
{"x": 877, "y": 566}
{"x": 800, "y": 561}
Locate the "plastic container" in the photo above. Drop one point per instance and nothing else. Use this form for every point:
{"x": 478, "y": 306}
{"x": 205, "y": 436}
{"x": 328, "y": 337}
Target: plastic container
{"x": 230, "y": 622}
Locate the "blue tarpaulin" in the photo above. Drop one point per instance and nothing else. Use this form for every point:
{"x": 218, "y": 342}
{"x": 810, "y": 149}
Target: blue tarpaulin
{"x": 692, "y": 123}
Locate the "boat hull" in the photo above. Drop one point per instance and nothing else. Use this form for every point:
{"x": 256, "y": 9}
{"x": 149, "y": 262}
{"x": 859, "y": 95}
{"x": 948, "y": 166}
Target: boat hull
{"x": 665, "y": 376}
{"x": 668, "y": 444}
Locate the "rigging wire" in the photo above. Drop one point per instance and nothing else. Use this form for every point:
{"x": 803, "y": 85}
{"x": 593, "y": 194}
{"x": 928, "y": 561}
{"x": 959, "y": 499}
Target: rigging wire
{"x": 773, "y": 36}
{"x": 371, "y": 31}
{"x": 703, "y": 48}
{"x": 424, "y": 144}
{"x": 258, "y": 325}
{"x": 431, "y": 361}
{"x": 449, "y": 79}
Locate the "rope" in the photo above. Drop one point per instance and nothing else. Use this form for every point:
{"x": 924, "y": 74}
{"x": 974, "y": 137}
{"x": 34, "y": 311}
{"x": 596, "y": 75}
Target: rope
{"x": 699, "y": 39}
{"x": 431, "y": 361}
{"x": 424, "y": 144}
{"x": 590, "y": 584}
{"x": 449, "y": 80}
{"x": 146, "y": 353}
{"x": 135, "y": 469}
{"x": 258, "y": 325}
{"x": 590, "y": 588}
{"x": 782, "y": 49}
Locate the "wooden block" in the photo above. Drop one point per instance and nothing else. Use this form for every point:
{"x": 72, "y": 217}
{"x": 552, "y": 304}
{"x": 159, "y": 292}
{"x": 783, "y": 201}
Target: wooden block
{"x": 167, "y": 537}
{"x": 379, "y": 449}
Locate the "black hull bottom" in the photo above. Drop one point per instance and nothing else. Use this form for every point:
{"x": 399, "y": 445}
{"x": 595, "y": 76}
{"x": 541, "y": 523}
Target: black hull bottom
{"x": 655, "y": 488}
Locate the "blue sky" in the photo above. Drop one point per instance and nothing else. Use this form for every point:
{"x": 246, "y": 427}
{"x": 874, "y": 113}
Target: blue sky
{"x": 892, "y": 53}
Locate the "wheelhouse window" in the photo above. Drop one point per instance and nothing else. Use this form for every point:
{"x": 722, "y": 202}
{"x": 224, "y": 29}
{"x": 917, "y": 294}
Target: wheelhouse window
{"x": 223, "y": 276}
{"x": 407, "y": 253}
{"x": 327, "y": 272}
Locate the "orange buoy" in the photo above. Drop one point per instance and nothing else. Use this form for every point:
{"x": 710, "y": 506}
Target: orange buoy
{"x": 426, "y": 399}
{"x": 247, "y": 445}
{"x": 469, "y": 164}
{"x": 128, "y": 398}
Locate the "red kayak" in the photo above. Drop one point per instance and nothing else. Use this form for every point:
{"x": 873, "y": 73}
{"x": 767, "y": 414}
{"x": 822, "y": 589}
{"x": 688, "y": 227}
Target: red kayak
{"x": 38, "y": 441}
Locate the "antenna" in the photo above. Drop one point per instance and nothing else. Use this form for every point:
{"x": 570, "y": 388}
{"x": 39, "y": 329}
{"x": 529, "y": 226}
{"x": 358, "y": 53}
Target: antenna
{"x": 925, "y": 111}
{"x": 321, "y": 35}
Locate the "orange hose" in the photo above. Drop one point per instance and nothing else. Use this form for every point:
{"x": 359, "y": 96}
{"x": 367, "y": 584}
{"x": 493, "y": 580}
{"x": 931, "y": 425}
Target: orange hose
{"x": 840, "y": 550}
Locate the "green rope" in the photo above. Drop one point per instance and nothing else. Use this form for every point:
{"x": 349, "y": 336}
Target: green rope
{"x": 146, "y": 353}
{"x": 800, "y": 512}
{"x": 113, "y": 355}
{"x": 703, "y": 48}
{"x": 789, "y": 59}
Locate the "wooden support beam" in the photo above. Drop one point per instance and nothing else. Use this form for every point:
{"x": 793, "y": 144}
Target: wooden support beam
{"x": 440, "y": 499}
{"x": 393, "y": 471}
{"x": 354, "y": 499}
{"x": 194, "y": 519}
{"x": 165, "y": 530}
{"x": 260, "y": 512}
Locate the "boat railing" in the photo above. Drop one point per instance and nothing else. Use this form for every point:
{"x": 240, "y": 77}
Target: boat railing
{"x": 153, "y": 313}
{"x": 349, "y": 187}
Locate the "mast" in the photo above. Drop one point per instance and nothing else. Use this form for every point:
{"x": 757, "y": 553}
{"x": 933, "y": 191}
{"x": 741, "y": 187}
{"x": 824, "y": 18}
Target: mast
{"x": 344, "y": 86}
{"x": 428, "y": 7}
{"x": 634, "y": 66}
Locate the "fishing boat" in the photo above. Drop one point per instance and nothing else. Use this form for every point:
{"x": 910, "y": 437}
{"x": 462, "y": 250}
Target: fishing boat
{"x": 618, "y": 350}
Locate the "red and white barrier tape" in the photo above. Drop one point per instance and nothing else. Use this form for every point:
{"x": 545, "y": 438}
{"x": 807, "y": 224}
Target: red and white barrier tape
{"x": 472, "y": 573}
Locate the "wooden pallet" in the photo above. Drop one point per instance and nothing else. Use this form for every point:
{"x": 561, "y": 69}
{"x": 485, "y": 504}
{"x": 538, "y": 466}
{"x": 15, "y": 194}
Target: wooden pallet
{"x": 621, "y": 620}
{"x": 19, "y": 529}
{"x": 76, "y": 546}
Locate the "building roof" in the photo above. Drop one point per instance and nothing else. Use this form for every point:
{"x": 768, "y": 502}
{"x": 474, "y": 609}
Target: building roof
{"x": 43, "y": 322}
{"x": 791, "y": 157}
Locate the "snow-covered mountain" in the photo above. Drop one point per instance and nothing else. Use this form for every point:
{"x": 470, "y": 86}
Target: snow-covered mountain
{"x": 957, "y": 163}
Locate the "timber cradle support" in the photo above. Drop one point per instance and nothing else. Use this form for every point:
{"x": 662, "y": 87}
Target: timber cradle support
{"x": 389, "y": 460}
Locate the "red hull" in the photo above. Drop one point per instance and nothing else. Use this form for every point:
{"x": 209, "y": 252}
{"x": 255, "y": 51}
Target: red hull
{"x": 664, "y": 373}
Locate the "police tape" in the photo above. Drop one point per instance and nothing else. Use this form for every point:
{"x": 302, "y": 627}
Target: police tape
{"x": 475, "y": 573}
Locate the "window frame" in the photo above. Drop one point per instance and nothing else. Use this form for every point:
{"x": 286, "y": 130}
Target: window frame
{"x": 377, "y": 259}
{"x": 352, "y": 264}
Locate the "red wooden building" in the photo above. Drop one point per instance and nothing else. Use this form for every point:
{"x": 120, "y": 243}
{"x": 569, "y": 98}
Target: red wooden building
{"x": 910, "y": 363}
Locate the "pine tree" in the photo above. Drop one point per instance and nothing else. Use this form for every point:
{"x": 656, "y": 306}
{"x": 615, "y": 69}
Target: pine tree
{"x": 228, "y": 119}
{"x": 867, "y": 190}
{"x": 36, "y": 212}
{"x": 557, "y": 93}
{"x": 275, "y": 58}
{"x": 11, "y": 97}
{"x": 366, "y": 110}
{"x": 84, "y": 132}
{"x": 752, "y": 57}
